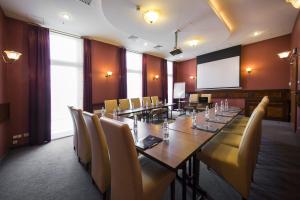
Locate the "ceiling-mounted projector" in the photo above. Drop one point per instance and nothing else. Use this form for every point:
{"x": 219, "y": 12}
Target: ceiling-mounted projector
{"x": 176, "y": 50}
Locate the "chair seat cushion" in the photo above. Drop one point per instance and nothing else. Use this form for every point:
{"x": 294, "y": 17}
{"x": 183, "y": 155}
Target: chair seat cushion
{"x": 156, "y": 178}
{"x": 227, "y": 138}
{"x": 223, "y": 159}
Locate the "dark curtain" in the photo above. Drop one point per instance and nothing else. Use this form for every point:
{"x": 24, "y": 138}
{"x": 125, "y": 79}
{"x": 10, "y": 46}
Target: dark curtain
{"x": 164, "y": 79}
{"x": 39, "y": 85}
{"x": 123, "y": 75}
{"x": 175, "y": 65}
{"x": 144, "y": 75}
{"x": 87, "y": 76}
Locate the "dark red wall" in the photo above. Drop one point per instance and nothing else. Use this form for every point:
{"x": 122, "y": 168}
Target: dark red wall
{"x": 295, "y": 38}
{"x": 17, "y": 77}
{"x": 105, "y": 57}
{"x": 268, "y": 71}
{"x": 153, "y": 68}
{"x": 4, "y": 135}
{"x": 184, "y": 71}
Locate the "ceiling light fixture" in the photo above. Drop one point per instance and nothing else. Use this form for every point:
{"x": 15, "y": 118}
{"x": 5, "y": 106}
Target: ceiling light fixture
{"x": 145, "y": 44}
{"x": 295, "y": 3}
{"x": 151, "y": 16}
{"x": 284, "y": 54}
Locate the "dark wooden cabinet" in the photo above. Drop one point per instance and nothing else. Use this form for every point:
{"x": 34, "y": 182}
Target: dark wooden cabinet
{"x": 294, "y": 84}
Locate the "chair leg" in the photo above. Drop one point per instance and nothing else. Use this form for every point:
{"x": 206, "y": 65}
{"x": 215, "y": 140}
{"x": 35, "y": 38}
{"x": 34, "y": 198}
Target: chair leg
{"x": 173, "y": 190}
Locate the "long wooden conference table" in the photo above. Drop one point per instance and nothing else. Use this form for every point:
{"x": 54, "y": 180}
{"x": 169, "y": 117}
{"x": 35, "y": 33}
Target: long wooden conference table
{"x": 183, "y": 144}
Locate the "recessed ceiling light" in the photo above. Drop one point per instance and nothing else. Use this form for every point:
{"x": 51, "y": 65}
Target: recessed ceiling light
{"x": 181, "y": 56}
{"x": 193, "y": 43}
{"x": 65, "y": 16}
{"x": 257, "y": 33}
{"x": 145, "y": 44}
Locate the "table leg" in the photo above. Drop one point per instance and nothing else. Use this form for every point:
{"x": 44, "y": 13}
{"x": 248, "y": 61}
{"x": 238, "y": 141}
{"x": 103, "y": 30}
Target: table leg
{"x": 184, "y": 177}
{"x": 195, "y": 176}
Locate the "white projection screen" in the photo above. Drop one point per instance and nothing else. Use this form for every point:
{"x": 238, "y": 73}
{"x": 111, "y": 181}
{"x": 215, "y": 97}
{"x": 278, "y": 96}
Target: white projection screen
{"x": 223, "y": 73}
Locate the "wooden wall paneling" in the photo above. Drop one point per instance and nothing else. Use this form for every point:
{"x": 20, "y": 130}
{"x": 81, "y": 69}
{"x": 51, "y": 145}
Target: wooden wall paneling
{"x": 4, "y": 112}
{"x": 278, "y": 108}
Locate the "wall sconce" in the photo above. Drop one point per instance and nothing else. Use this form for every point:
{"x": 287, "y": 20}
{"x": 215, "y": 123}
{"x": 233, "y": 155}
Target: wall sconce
{"x": 10, "y": 56}
{"x": 249, "y": 70}
{"x": 156, "y": 77}
{"x": 192, "y": 77}
{"x": 295, "y": 3}
{"x": 284, "y": 54}
{"x": 108, "y": 74}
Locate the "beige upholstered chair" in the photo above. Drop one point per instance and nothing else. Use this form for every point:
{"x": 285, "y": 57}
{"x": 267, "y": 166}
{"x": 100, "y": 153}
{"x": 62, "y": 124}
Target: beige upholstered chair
{"x": 133, "y": 178}
{"x": 135, "y": 102}
{"x": 208, "y": 97}
{"x": 110, "y": 105}
{"x": 84, "y": 147}
{"x": 75, "y": 143}
{"x": 100, "y": 166}
{"x": 235, "y": 165}
{"x": 193, "y": 102}
{"x": 146, "y": 100}
{"x": 124, "y": 104}
{"x": 194, "y": 98}
{"x": 155, "y": 100}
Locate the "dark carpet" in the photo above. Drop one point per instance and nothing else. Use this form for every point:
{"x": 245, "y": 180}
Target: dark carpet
{"x": 52, "y": 171}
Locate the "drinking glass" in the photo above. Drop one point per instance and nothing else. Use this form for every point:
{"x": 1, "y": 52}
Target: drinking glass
{"x": 165, "y": 130}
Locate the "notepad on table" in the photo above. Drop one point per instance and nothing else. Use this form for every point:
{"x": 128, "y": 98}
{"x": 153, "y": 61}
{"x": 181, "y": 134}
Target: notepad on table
{"x": 148, "y": 142}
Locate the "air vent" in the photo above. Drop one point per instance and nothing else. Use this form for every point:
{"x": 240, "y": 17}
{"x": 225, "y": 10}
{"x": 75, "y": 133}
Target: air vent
{"x": 157, "y": 47}
{"x": 133, "y": 37}
{"x": 87, "y": 2}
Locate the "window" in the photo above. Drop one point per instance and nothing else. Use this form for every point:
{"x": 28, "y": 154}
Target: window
{"x": 134, "y": 74}
{"x": 170, "y": 81}
{"x": 66, "y": 54}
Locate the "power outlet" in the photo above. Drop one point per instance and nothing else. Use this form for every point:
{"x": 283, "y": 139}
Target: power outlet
{"x": 17, "y": 136}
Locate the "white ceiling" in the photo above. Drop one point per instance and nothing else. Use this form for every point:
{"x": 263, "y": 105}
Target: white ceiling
{"x": 113, "y": 21}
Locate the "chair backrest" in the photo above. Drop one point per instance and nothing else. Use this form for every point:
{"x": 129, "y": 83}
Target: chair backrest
{"x": 247, "y": 149}
{"x": 265, "y": 101}
{"x": 100, "y": 168}
{"x": 193, "y": 98}
{"x": 124, "y": 104}
{"x": 75, "y": 128}
{"x": 146, "y": 100}
{"x": 135, "y": 102}
{"x": 155, "y": 100}
{"x": 208, "y": 97}
{"x": 126, "y": 179}
{"x": 110, "y": 105}
{"x": 84, "y": 147}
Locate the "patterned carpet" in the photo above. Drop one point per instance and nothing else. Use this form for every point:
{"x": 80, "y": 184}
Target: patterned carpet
{"x": 52, "y": 172}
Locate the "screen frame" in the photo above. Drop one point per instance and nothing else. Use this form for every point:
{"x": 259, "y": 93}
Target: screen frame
{"x": 219, "y": 55}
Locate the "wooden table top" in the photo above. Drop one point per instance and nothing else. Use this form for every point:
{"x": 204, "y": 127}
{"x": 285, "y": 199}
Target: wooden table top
{"x": 183, "y": 142}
